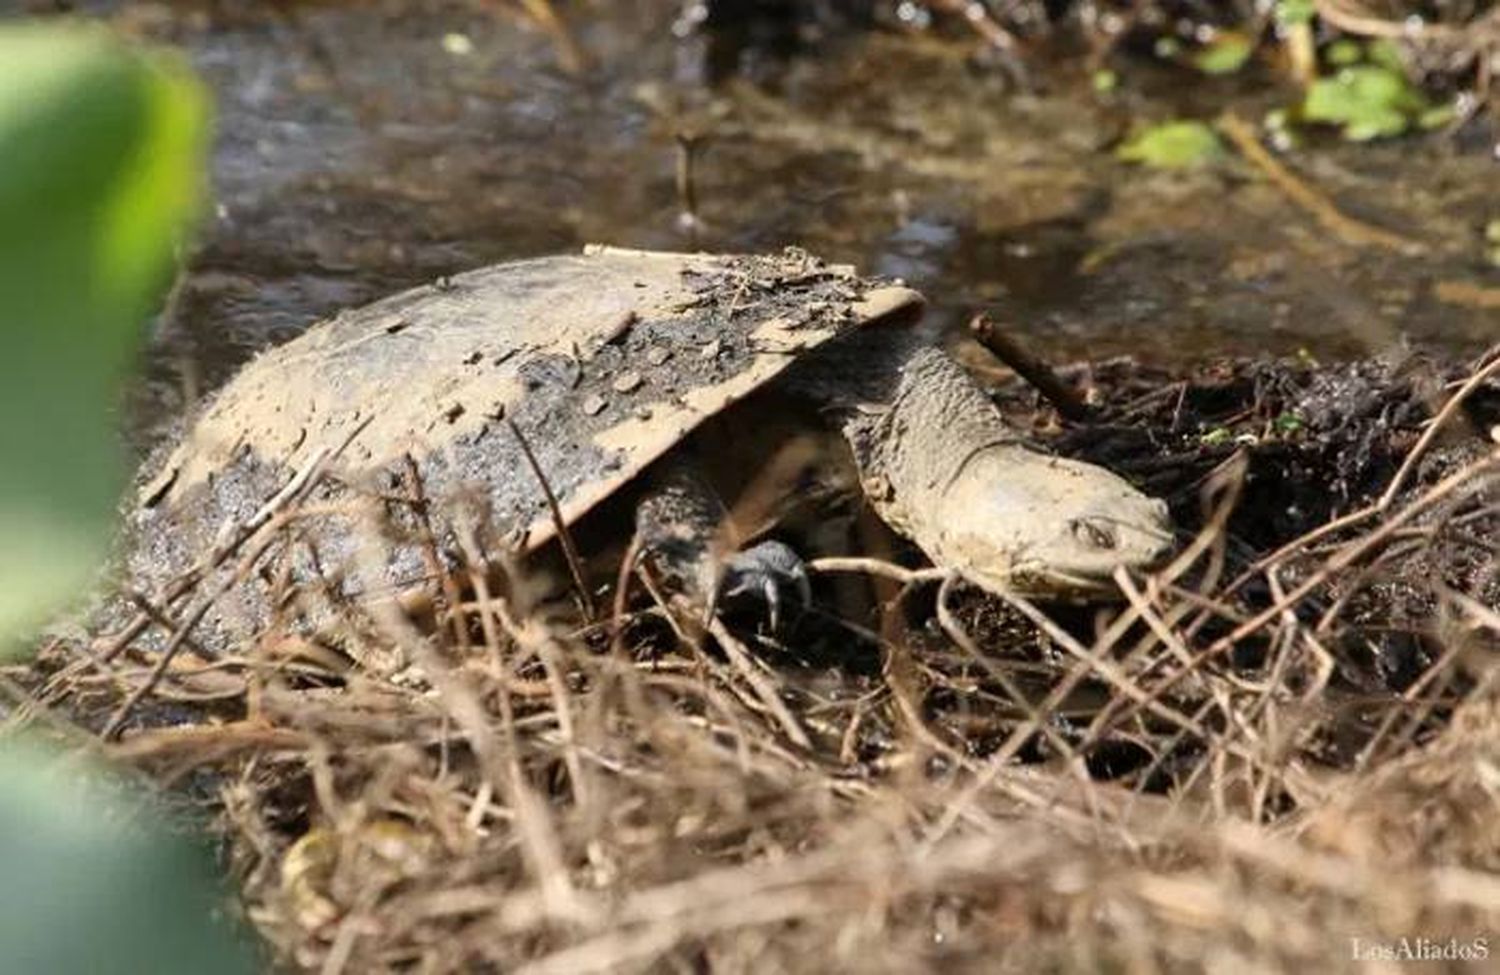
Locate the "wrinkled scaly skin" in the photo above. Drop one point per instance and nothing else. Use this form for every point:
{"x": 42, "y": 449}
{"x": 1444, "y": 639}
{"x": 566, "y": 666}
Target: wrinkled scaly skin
{"x": 603, "y": 363}
{"x": 939, "y": 464}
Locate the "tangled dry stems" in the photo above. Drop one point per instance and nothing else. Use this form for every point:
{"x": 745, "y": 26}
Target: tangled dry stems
{"x": 1204, "y": 775}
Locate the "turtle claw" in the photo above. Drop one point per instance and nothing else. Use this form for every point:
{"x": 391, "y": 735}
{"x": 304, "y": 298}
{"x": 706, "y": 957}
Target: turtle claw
{"x": 764, "y": 573}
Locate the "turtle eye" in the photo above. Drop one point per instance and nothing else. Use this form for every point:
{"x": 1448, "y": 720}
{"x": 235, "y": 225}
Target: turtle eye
{"x": 1092, "y": 533}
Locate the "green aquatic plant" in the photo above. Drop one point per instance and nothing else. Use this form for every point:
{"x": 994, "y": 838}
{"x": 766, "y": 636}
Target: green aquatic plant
{"x": 1343, "y": 52}
{"x": 1178, "y": 144}
{"x": 1365, "y": 101}
{"x": 1369, "y": 96}
{"x": 1227, "y": 52}
{"x": 1291, "y": 13}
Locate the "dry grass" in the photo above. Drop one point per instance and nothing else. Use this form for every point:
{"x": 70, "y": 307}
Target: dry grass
{"x": 1214, "y": 773}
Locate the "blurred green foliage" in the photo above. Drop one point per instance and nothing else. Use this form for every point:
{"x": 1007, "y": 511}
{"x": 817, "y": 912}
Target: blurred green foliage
{"x": 103, "y": 154}
{"x": 101, "y": 162}
{"x": 1226, "y": 53}
{"x": 1290, "y": 13}
{"x": 1343, "y": 52}
{"x": 1369, "y": 96}
{"x": 1178, "y": 144}
{"x": 88, "y": 888}
{"x": 1288, "y": 423}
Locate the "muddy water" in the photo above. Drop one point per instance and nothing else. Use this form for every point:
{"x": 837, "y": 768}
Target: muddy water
{"x": 363, "y": 148}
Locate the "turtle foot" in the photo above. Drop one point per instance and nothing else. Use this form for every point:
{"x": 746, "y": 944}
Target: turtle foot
{"x": 767, "y": 576}
{"x": 680, "y": 529}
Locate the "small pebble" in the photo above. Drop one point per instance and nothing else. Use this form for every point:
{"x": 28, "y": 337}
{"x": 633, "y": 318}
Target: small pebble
{"x": 712, "y": 349}
{"x": 593, "y": 404}
{"x": 627, "y": 382}
{"x": 658, "y": 355}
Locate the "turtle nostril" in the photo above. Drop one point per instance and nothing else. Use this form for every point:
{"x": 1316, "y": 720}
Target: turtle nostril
{"x": 1092, "y": 533}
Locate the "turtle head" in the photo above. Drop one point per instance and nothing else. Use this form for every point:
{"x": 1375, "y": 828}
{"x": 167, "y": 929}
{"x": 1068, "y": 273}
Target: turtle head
{"x": 1018, "y": 520}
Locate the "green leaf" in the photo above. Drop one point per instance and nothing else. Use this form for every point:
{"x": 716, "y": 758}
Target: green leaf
{"x": 1225, "y": 54}
{"x": 1437, "y": 116}
{"x": 1216, "y": 437}
{"x": 1289, "y": 13}
{"x": 1385, "y": 53}
{"x": 1288, "y": 423}
{"x": 90, "y": 885}
{"x": 1344, "y": 52}
{"x": 1173, "y": 145}
{"x": 1105, "y": 80}
{"x": 1367, "y": 101}
{"x": 103, "y": 151}
{"x": 1492, "y": 242}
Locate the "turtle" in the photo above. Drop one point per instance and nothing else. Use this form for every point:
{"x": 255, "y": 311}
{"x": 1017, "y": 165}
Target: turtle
{"x": 541, "y": 391}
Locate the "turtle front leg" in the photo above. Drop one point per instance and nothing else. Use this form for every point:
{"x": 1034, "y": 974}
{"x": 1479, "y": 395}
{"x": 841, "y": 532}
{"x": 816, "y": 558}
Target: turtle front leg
{"x": 764, "y": 572}
{"x": 684, "y": 531}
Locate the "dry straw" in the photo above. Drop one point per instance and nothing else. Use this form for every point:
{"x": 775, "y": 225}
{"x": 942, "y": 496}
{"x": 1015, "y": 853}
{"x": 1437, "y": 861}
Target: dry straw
{"x": 1224, "y": 770}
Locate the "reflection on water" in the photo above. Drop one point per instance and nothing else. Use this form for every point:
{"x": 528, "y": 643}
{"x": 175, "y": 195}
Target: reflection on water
{"x": 366, "y": 147}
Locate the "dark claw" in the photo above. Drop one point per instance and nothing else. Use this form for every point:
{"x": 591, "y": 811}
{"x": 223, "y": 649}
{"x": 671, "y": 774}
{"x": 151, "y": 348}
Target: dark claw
{"x": 764, "y": 571}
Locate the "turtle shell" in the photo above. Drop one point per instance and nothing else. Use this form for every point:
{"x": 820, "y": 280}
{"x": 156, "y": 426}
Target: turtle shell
{"x": 601, "y": 361}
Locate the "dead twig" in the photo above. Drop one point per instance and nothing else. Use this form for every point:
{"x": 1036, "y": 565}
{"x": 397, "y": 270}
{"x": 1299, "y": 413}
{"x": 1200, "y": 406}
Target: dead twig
{"x": 1435, "y": 427}
{"x": 1350, "y": 231}
{"x": 978, "y": 18}
{"x": 765, "y": 689}
{"x": 570, "y": 54}
{"x": 1031, "y": 368}
{"x": 179, "y": 638}
{"x": 559, "y": 524}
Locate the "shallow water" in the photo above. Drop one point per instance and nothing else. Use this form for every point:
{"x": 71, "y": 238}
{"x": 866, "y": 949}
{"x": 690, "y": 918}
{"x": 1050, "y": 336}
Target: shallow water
{"x": 368, "y": 147}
